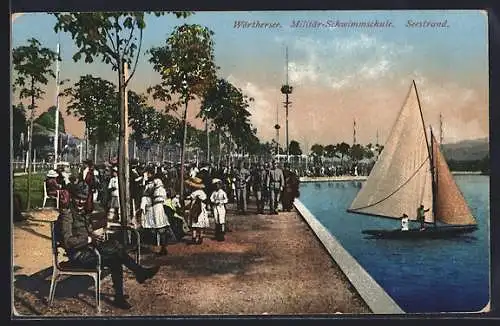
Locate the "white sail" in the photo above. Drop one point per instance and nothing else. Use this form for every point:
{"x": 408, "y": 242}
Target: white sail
{"x": 400, "y": 180}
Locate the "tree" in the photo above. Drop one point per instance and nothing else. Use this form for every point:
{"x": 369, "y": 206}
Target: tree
{"x": 294, "y": 148}
{"x": 94, "y": 101}
{"x": 369, "y": 151}
{"x": 113, "y": 38}
{"x": 48, "y": 120}
{"x": 19, "y": 127}
{"x": 187, "y": 69}
{"x": 330, "y": 150}
{"x": 43, "y": 130}
{"x": 226, "y": 106}
{"x": 33, "y": 68}
{"x": 356, "y": 152}
{"x": 317, "y": 151}
{"x": 343, "y": 148}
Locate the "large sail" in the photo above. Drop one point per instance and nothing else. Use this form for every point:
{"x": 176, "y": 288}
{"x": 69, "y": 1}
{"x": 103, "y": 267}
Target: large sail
{"x": 400, "y": 180}
{"x": 450, "y": 205}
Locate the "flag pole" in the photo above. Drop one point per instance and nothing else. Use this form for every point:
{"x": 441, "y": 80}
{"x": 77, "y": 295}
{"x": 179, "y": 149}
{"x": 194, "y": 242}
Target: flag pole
{"x": 56, "y": 127}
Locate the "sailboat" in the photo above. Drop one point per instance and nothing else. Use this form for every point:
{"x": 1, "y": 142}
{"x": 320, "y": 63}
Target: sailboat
{"x": 411, "y": 171}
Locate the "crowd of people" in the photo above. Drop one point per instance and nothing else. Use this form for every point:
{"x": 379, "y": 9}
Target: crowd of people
{"x": 157, "y": 209}
{"x": 351, "y": 169}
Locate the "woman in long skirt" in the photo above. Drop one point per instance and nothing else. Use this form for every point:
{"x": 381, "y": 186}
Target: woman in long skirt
{"x": 198, "y": 215}
{"x": 153, "y": 213}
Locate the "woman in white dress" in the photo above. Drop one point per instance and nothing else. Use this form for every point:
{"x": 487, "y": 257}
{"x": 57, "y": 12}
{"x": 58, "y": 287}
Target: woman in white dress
{"x": 153, "y": 212}
{"x": 198, "y": 215}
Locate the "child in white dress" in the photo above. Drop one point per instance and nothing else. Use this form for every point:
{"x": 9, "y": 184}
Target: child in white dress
{"x": 219, "y": 200}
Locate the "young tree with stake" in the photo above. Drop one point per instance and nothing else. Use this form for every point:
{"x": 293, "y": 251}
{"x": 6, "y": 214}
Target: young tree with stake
{"x": 116, "y": 38}
{"x": 187, "y": 69}
{"x": 33, "y": 68}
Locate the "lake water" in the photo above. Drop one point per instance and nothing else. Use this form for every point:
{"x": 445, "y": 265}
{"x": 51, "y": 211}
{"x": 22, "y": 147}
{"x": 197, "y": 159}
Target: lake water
{"x": 439, "y": 275}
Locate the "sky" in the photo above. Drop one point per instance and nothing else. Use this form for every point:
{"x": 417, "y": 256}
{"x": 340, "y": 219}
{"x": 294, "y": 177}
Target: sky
{"x": 339, "y": 74}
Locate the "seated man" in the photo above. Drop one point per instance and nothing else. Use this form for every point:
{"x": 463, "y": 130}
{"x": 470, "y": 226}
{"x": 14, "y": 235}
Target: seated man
{"x": 77, "y": 237}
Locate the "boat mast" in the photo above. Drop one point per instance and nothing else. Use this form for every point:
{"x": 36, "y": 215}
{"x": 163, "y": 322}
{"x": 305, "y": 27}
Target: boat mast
{"x": 429, "y": 151}
{"x": 434, "y": 181}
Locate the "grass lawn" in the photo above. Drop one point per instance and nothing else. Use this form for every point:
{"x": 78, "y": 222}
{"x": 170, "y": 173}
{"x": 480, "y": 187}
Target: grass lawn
{"x": 20, "y": 185}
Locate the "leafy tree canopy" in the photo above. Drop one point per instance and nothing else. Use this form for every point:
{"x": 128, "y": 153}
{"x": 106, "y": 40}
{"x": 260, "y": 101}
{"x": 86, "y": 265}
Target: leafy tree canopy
{"x": 94, "y": 101}
{"x": 48, "y": 120}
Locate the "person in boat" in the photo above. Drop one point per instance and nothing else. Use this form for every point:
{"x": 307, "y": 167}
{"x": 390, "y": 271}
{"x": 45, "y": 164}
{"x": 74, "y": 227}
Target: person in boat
{"x": 404, "y": 222}
{"x": 421, "y": 216}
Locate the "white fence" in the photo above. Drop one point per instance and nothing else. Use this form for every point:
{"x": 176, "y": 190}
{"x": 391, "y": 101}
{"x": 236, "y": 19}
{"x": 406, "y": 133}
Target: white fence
{"x": 21, "y": 166}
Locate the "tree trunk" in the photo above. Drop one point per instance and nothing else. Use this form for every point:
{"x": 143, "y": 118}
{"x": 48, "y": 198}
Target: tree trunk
{"x": 208, "y": 140}
{"x": 30, "y": 144}
{"x": 86, "y": 142}
{"x": 220, "y": 150}
{"x": 183, "y": 151}
{"x": 123, "y": 172}
{"x": 95, "y": 153}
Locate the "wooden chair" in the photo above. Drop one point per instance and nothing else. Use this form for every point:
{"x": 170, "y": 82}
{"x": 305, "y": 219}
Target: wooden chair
{"x": 66, "y": 268}
{"x": 112, "y": 228}
{"x": 100, "y": 222}
{"x": 46, "y": 196}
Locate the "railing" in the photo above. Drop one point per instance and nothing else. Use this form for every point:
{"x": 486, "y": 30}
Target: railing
{"x": 21, "y": 167}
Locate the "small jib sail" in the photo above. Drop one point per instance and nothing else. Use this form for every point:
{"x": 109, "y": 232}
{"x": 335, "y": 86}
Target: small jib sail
{"x": 410, "y": 172}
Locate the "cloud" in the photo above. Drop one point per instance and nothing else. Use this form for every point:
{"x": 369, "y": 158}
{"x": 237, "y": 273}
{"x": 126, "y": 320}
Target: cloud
{"x": 342, "y": 62}
{"x": 462, "y": 108}
{"x": 262, "y": 108}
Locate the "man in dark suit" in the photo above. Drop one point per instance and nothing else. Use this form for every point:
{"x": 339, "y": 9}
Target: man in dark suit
{"x": 77, "y": 236}
{"x": 275, "y": 183}
{"x": 259, "y": 178}
{"x": 242, "y": 179}
{"x": 291, "y": 189}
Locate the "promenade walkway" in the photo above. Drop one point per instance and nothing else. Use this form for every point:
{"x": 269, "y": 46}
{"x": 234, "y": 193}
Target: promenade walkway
{"x": 269, "y": 264}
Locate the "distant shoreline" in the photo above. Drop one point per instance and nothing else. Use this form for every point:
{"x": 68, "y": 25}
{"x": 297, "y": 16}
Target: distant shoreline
{"x": 362, "y": 177}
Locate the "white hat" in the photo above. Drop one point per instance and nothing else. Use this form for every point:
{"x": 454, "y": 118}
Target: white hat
{"x": 52, "y": 174}
{"x": 157, "y": 183}
{"x": 215, "y": 180}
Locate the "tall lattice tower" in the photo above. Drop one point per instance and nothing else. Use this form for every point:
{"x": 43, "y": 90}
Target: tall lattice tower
{"x": 354, "y": 132}
{"x": 440, "y": 128}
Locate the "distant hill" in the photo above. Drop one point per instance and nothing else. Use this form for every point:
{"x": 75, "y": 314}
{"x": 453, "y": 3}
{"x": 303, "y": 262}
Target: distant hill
{"x": 466, "y": 150}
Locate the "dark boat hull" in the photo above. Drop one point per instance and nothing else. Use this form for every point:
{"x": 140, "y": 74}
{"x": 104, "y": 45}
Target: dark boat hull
{"x": 428, "y": 233}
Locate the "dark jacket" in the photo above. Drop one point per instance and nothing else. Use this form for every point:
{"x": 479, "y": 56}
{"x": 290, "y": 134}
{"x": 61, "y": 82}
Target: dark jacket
{"x": 259, "y": 178}
{"x": 75, "y": 228}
